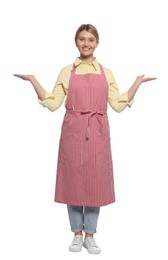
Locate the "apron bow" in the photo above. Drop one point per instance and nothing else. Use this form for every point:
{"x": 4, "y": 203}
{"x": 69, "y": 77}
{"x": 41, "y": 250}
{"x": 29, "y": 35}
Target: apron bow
{"x": 97, "y": 114}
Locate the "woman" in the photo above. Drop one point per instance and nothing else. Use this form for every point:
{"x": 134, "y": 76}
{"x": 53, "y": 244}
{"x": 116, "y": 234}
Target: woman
{"x": 85, "y": 171}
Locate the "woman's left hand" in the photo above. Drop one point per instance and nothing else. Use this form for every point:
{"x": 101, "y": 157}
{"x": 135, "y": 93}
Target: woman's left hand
{"x": 141, "y": 79}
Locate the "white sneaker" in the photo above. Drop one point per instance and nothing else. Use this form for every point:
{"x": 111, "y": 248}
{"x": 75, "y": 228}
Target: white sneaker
{"x": 76, "y": 245}
{"x": 91, "y": 246}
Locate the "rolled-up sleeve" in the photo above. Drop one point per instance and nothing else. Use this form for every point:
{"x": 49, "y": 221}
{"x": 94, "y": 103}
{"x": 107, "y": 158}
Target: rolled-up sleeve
{"x": 54, "y": 100}
{"x": 116, "y": 100}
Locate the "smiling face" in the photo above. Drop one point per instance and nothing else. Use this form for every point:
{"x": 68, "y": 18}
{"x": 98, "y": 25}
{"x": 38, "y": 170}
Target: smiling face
{"x": 86, "y": 43}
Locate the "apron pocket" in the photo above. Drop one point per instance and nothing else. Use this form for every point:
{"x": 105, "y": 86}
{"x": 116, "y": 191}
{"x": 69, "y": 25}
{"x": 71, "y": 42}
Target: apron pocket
{"x": 103, "y": 151}
{"x": 69, "y": 152}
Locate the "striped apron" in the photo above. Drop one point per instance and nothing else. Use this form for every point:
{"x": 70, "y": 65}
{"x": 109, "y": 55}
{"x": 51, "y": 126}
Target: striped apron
{"x": 84, "y": 168}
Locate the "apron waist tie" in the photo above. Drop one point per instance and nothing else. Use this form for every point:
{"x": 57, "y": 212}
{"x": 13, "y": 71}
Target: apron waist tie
{"x": 91, "y": 113}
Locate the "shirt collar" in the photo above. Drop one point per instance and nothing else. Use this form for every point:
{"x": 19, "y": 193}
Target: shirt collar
{"x": 94, "y": 63}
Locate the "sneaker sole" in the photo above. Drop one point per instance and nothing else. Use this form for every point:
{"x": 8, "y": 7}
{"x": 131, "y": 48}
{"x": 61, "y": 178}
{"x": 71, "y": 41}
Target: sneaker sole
{"x": 75, "y": 250}
{"x": 91, "y": 252}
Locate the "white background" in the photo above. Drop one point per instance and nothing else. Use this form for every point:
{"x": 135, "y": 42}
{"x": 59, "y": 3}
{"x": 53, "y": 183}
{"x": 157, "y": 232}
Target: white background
{"x": 38, "y": 37}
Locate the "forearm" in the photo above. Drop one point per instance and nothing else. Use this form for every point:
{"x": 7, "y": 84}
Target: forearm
{"x": 38, "y": 88}
{"x": 132, "y": 91}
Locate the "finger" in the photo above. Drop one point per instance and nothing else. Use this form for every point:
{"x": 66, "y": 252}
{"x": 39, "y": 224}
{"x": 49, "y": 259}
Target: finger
{"x": 19, "y": 76}
{"x": 151, "y": 78}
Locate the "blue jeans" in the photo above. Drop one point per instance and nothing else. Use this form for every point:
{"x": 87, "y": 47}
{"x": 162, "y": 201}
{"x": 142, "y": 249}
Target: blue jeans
{"x": 83, "y": 218}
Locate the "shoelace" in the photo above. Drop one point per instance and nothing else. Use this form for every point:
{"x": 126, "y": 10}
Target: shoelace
{"x": 76, "y": 240}
{"x": 92, "y": 242}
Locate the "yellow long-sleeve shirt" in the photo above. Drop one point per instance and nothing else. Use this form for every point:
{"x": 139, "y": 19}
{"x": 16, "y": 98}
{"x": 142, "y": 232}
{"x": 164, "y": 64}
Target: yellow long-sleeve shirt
{"x": 54, "y": 100}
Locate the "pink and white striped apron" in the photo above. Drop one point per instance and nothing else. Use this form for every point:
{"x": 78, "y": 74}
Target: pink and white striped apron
{"x": 85, "y": 169}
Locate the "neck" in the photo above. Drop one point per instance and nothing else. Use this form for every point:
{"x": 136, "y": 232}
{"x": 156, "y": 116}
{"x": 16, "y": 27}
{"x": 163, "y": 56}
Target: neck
{"x": 87, "y": 59}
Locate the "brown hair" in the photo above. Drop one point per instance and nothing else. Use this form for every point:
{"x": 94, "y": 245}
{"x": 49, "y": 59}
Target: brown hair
{"x": 89, "y": 28}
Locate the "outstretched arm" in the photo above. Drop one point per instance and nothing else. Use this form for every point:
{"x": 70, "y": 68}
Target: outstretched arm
{"x": 37, "y": 87}
{"x": 139, "y": 80}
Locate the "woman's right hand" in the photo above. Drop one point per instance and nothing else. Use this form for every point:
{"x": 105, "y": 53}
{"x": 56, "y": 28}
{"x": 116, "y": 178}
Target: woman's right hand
{"x": 37, "y": 87}
{"x": 28, "y": 77}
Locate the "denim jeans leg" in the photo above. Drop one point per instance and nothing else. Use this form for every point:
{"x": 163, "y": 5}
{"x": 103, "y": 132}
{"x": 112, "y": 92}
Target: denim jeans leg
{"x": 75, "y": 217}
{"x": 91, "y": 215}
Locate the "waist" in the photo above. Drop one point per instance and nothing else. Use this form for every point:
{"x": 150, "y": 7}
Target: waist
{"x": 87, "y": 111}
{"x": 98, "y": 114}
